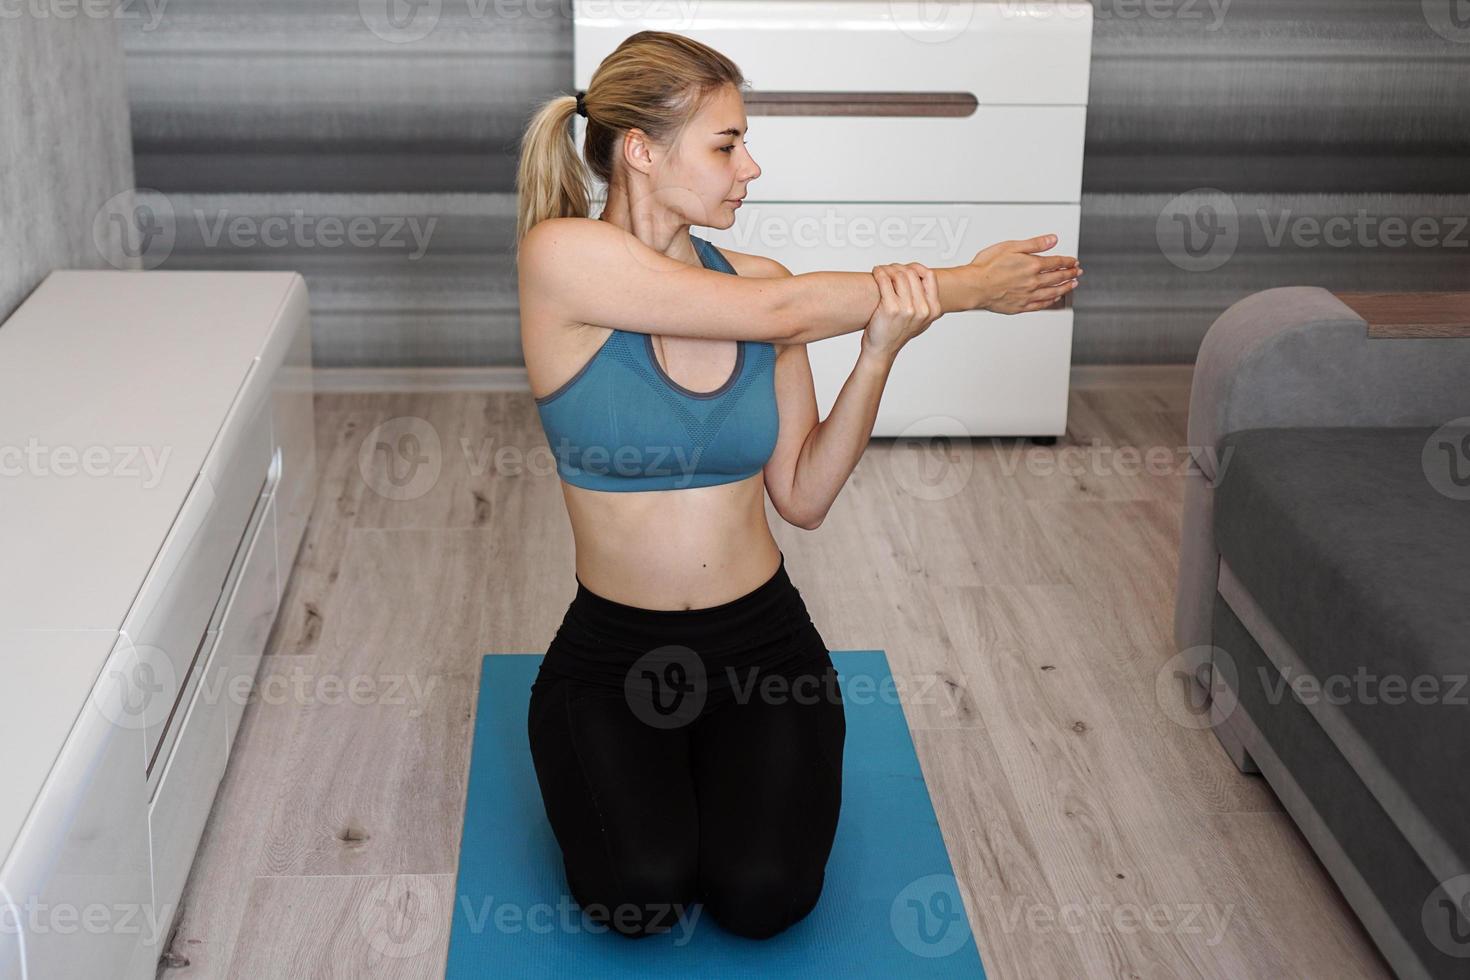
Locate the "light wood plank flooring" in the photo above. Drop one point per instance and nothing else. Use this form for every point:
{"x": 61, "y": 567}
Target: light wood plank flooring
{"x": 1024, "y": 596}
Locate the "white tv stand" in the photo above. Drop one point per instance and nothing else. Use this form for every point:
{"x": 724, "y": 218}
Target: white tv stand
{"x": 157, "y": 467}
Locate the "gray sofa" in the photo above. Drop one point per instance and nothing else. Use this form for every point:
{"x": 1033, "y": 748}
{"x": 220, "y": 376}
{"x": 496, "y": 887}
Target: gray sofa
{"x": 1324, "y": 596}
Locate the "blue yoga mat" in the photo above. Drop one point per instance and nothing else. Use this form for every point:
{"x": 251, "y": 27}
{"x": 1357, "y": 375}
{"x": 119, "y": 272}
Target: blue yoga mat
{"x": 890, "y": 906}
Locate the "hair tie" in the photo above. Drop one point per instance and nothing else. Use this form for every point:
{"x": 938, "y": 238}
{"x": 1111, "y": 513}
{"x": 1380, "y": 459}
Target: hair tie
{"x": 581, "y": 103}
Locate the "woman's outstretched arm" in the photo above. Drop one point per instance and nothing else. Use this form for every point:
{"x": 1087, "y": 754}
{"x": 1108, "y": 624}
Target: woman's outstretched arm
{"x": 1007, "y": 277}
{"x": 580, "y": 270}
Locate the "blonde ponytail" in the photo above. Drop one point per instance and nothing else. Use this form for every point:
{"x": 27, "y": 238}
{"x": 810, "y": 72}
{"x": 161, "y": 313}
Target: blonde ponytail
{"x": 551, "y": 179}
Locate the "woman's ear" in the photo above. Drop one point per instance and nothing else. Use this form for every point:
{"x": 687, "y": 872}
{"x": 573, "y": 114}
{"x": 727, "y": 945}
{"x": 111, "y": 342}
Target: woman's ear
{"x": 638, "y": 151}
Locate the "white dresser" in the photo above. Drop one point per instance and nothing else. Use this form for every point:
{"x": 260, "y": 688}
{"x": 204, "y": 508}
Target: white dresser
{"x": 893, "y": 131}
{"x": 157, "y": 467}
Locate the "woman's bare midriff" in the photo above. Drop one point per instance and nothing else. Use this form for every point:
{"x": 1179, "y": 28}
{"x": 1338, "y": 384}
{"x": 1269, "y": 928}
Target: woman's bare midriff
{"x": 673, "y": 549}
{"x": 658, "y": 549}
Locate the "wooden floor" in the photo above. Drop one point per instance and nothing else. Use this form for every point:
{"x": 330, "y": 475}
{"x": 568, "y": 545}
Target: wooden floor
{"x": 1024, "y": 596}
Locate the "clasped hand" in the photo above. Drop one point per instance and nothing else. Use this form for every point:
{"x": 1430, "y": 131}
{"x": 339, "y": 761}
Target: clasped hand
{"x": 908, "y": 301}
{"x": 1008, "y": 278}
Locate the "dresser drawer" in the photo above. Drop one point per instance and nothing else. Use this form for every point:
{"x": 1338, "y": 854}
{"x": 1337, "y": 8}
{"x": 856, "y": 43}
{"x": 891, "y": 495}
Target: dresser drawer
{"x": 201, "y": 744}
{"x": 1001, "y": 153}
{"x": 251, "y": 568}
{"x": 248, "y": 620}
{"x": 869, "y": 101}
{"x": 1011, "y": 53}
{"x": 167, "y": 621}
{"x": 970, "y": 376}
{"x": 186, "y": 786}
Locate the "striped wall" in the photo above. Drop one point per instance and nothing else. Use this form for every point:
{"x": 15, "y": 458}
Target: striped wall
{"x": 1232, "y": 145}
{"x": 1235, "y": 146}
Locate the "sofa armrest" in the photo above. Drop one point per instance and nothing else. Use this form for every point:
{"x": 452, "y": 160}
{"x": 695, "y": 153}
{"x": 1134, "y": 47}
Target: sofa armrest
{"x": 1298, "y": 356}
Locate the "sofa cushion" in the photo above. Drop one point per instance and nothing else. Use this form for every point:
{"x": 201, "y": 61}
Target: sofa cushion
{"x": 1362, "y": 567}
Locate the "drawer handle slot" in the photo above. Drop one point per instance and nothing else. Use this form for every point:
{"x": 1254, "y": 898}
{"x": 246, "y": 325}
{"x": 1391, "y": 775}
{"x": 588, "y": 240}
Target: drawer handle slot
{"x": 804, "y": 103}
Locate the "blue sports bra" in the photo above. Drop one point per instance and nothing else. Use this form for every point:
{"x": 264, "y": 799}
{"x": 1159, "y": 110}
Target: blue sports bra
{"x": 621, "y": 423}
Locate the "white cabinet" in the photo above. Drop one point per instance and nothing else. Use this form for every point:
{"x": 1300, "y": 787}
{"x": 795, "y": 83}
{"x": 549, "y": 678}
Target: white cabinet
{"x": 898, "y": 132}
{"x": 164, "y": 415}
{"x": 77, "y": 879}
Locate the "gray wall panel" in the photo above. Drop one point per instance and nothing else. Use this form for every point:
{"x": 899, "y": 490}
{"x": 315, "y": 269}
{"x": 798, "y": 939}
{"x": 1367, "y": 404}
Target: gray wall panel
{"x": 1295, "y": 96}
{"x": 396, "y": 280}
{"x": 1294, "y": 110}
{"x": 1148, "y": 299}
{"x": 305, "y": 95}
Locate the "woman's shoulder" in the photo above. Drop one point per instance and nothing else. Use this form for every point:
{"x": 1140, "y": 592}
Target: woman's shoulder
{"x": 747, "y": 264}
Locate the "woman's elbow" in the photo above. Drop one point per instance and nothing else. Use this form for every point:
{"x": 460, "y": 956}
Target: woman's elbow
{"x": 807, "y": 522}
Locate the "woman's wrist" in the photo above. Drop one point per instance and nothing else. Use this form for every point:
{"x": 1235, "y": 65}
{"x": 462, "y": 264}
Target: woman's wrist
{"x": 962, "y": 287}
{"x": 877, "y": 361}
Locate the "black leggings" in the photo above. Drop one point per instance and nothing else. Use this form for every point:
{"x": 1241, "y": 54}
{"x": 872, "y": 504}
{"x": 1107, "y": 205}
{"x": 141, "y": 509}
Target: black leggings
{"x": 706, "y": 768}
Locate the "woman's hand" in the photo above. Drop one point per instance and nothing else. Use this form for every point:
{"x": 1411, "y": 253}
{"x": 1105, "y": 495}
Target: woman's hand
{"x": 908, "y": 301}
{"x": 1013, "y": 280}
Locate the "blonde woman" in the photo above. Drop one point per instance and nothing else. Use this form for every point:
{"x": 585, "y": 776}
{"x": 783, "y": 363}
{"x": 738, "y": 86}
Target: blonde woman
{"x": 686, "y": 724}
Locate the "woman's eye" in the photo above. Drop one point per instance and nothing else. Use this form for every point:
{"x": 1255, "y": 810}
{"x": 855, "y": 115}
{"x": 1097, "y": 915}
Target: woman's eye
{"x": 727, "y": 149}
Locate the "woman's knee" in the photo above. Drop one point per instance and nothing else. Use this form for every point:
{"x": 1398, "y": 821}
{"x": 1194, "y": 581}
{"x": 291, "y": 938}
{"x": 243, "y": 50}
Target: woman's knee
{"x": 759, "y": 899}
{"x": 648, "y": 894}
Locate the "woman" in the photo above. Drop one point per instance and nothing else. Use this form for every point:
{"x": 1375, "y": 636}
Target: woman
{"x": 686, "y": 725}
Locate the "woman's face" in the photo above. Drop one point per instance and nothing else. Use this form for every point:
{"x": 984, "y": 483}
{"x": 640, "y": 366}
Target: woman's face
{"x": 709, "y": 166}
